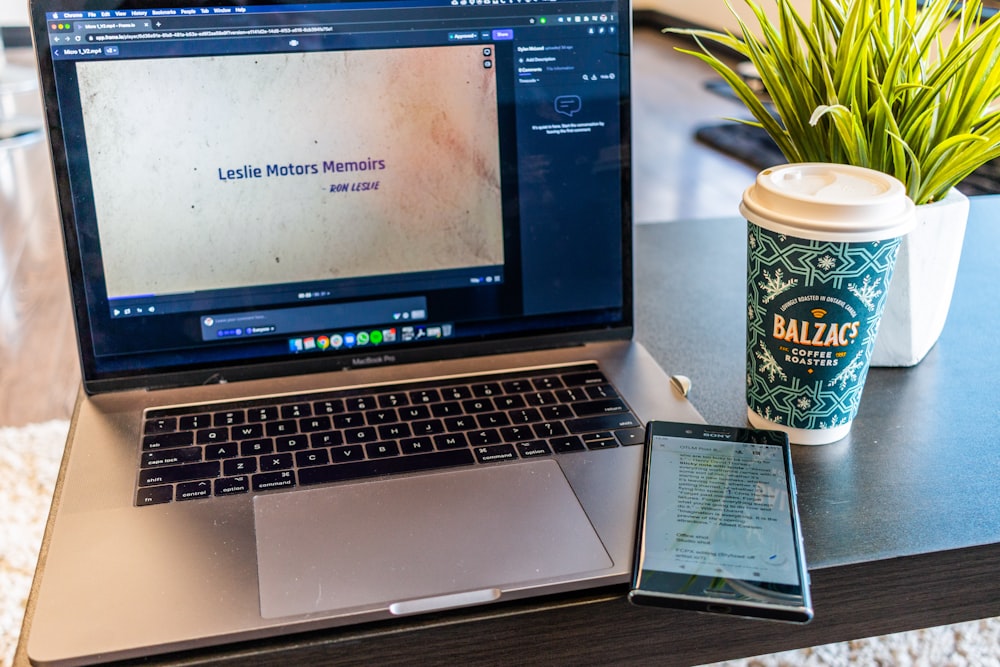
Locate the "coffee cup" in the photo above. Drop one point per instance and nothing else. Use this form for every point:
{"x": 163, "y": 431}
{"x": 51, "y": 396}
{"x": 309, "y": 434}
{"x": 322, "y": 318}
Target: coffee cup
{"x": 822, "y": 241}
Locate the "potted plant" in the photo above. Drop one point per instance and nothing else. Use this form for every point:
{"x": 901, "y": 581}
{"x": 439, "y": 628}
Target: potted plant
{"x": 907, "y": 87}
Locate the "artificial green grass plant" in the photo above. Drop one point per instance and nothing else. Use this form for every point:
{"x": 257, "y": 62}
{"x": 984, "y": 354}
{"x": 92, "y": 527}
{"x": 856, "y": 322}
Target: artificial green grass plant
{"x": 907, "y": 87}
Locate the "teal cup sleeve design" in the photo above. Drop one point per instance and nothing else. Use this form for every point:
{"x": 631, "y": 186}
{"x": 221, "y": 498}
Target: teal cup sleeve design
{"x": 813, "y": 310}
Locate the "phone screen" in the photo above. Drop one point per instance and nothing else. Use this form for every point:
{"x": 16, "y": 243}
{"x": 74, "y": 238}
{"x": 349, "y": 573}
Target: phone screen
{"x": 718, "y": 524}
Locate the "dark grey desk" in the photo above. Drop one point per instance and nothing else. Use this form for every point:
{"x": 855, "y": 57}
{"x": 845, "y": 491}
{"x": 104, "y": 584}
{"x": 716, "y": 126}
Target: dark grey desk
{"x": 901, "y": 520}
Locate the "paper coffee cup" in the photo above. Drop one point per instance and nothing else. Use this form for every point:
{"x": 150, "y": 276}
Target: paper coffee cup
{"x": 821, "y": 247}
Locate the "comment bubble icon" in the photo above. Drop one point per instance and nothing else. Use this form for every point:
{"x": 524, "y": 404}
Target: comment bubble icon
{"x": 568, "y": 105}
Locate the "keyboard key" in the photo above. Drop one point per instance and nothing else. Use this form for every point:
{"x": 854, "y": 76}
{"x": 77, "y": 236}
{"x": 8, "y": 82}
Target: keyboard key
{"x": 347, "y": 454}
{"x": 417, "y": 445}
{"x": 449, "y": 409}
{"x": 526, "y": 416}
{"x": 247, "y": 431}
{"x": 534, "y": 448}
{"x": 585, "y": 378}
{"x": 393, "y": 400}
{"x": 602, "y": 391}
{"x": 233, "y": 467}
{"x": 357, "y": 435}
{"x": 378, "y": 467}
{"x": 211, "y": 435}
{"x": 154, "y": 495}
{"x": 486, "y": 389}
{"x": 383, "y": 416}
{"x": 413, "y": 412}
{"x": 465, "y": 423}
{"x": 428, "y": 427}
{"x": 380, "y": 450}
{"x": 194, "y": 422}
{"x": 630, "y": 436}
{"x": 517, "y": 386}
{"x": 326, "y": 439}
{"x": 455, "y": 393}
{"x": 266, "y": 481}
{"x": 451, "y": 441}
{"x": 229, "y": 418}
{"x": 180, "y": 473}
{"x": 160, "y": 425}
{"x": 394, "y": 431}
{"x": 348, "y": 421}
{"x": 162, "y": 457}
{"x": 516, "y": 433}
{"x": 425, "y": 396}
{"x": 547, "y": 430}
{"x": 599, "y": 440}
{"x": 257, "y": 447}
{"x": 193, "y": 490}
{"x": 312, "y": 457}
{"x": 262, "y": 414}
{"x": 569, "y": 443}
{"x": 167, "y": 440}
{"x": 493, "y": 420}
{"x": 556, "y": 412}
{"x": 223, "y": 450}
{"x": 360, "y": 403}
{"x": 314, "y": 424}
{"x": 479, "y": 405}
{"x": 601, "y": 407}
{"x": 495, "y": 453}
{"x": 283, "y": 427}
{"x": 483, "y": 437}
{"x": 602, "y": 423}
{"x": 231, "y": 486}
{"x": 291, "y": 443}
{"x": 273, "y": 462}
{"x": 540, "y": 398}
{"x": 509, "y": 402}
{"x": 329, "y": 407}
{"x": 572, "y": 395}
{"x": 296, "y": 411}
{"x": 547, "y": 383}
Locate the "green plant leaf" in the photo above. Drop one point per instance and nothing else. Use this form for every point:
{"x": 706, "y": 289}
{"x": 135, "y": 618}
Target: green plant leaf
{"x": 902, "y": 86}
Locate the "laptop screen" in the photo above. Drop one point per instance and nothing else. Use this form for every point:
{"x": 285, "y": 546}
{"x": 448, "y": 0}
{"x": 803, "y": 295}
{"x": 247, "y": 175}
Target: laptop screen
{"x": 345, "y": 183}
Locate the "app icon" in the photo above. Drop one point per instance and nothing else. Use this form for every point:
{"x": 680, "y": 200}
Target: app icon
{"x": 309, "y": 343}
{"x": 363, "y": 338}
{"x": 294, "y": 344}
{"x": 322, "y": 342}
{"x": 376, "y": 337}
{"x": 349, "y": 340}
{"x": 336, "y": 341}
{"x": 389, "y": 335}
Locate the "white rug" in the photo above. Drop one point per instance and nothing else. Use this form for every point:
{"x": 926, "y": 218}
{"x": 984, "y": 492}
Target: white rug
{"x": 29, "y": 464}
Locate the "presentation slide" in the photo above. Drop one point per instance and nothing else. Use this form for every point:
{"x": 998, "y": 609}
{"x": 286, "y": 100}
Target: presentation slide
{"x": 224, "y": 172}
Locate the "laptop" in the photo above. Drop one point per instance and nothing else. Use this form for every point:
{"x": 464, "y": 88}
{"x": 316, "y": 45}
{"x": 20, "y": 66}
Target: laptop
{"x": 353, "y": 294}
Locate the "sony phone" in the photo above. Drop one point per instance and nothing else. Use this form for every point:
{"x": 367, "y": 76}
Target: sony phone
{"x": 718, "y": 525}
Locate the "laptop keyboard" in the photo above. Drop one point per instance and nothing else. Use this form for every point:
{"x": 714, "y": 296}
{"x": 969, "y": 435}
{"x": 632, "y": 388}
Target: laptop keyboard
{"x": 300, "y": 441}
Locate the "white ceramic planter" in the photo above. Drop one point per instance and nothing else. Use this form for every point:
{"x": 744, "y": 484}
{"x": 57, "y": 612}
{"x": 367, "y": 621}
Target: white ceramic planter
{"x": 920, "y": 293}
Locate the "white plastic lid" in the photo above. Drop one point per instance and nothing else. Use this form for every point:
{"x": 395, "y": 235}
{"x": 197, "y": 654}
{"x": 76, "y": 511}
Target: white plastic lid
{"x": 829, "y": 202}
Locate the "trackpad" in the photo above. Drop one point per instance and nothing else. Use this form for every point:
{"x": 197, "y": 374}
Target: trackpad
{"x": 382, "y": 542}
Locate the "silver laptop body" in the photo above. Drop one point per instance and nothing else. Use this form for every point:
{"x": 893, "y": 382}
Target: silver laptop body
{"x": 270, "y": 203}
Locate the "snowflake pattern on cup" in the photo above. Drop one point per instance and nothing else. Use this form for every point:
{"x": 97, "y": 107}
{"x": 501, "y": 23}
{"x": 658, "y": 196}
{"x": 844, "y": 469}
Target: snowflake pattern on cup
{"x": 813, "y": 309}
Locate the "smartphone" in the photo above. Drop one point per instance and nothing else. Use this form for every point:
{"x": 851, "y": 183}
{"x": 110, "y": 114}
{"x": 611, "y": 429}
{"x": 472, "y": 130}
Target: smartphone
{"x": 718, "y": 525}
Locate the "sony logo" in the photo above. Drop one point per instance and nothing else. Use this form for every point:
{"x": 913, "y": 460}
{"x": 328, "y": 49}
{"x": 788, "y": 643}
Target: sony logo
{"x": 716, "y": 435}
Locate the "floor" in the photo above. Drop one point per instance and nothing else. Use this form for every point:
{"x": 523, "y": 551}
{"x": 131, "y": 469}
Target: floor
{"x": 675, "y": 178}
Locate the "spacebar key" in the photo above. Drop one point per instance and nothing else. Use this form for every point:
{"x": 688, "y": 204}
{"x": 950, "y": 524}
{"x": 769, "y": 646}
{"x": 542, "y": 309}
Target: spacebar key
{"x": 340, "y": 472}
